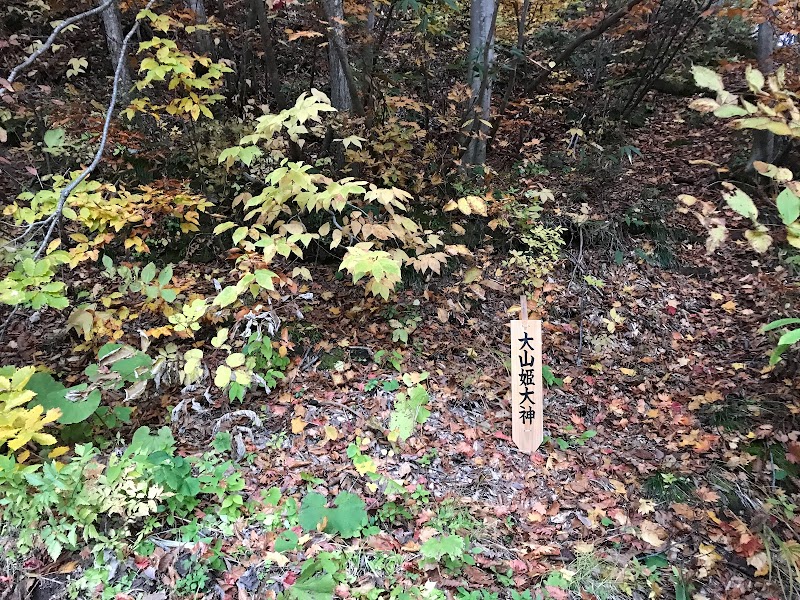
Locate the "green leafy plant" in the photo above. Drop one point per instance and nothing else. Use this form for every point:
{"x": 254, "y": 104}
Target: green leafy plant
{"x": 775, "y": 111}
{"x": 394, "y": 358}
{"x": 147, "y": 280}
{"x": 787, "y": 339}
{"x": 574, "y": 439}
{"x": 389, "y": 385}
{"x": 31, "y": 282}
{"x": 409, "y": 410}
{"x": 346, "y": 518}
{"x": 75, "y": 404}
{"x": 447, "y": 550}
{"x": 192, "y": 74}
{"x": 363, "y": 463}
{"x": 541, "y": 244}
{"x": 379, "y": 238}
{"x": 195, "y": 580}
{"x": 549, "y": 378}
{"x": 101, "y": 502}
{"x": 264, "y": 360}
{"x": 403, "y": 327}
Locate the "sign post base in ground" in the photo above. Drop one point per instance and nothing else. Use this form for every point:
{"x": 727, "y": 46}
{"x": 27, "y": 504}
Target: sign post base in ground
{"x": 527, "y": 428}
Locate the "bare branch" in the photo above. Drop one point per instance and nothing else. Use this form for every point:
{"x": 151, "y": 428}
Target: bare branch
{"x": 44, "y": 47}
{"x": 592, "y": 34}
{"x": 54, "y": 217}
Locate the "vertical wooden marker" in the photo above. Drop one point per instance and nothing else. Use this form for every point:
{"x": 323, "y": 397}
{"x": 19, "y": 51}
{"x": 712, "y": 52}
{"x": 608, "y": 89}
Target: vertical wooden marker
{"x": 526, "y": 382}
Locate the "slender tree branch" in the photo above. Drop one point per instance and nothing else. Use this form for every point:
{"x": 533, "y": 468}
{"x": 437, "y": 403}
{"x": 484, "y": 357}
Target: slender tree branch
{"x": 659, "y": 68}
{"x": 601, "y": 28}
{"x": 53, "y": 219}
{"x": 44, "y": 47}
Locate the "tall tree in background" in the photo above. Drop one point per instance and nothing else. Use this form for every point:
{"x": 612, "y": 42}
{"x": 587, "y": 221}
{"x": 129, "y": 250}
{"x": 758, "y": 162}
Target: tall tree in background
{"x": 764, "y": 146}
{"x": 200, "y": 16}
{"x": 270, "y": 62}
{"x": 112, "y": 24}
{"x": 344, "y": 93}
{"x": 482, "y": 20}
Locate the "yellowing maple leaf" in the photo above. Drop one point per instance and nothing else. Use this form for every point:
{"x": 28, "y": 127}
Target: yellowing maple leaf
{"x": 646, "y": 506}
{"x": 653, "y": 534}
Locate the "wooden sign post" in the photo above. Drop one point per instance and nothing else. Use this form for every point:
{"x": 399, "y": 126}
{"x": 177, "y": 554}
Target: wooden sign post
{"x": 527, "y": 428}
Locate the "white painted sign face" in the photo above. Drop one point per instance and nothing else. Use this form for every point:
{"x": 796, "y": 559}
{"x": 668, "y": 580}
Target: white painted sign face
{"x": 526, "y": 384}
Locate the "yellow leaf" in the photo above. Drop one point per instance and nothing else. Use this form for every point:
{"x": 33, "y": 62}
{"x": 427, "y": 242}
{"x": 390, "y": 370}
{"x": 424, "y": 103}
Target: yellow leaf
{"x": 298, "y": 425}
{"x": 331, "y": 433}
{"x": 759, "y": 240}
{"x": 472, "y": 274}
{"x": 59, "y": 451}
{"x": 628, "y": 372}
{"x": 760, "y": 562}
{"x": 653, "y": 534}
{"x": 276, "y": 557}
{"x": 646, "y": 507}
{"x": 477, "y": 205}
{"x": 294, "y": 35}
{"x": 583, "y": 547}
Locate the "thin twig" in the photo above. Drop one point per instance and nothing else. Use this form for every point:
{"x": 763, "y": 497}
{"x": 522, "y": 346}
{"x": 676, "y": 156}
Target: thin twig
{"x": 338, "y": 405}
{"x": 7, "y": 322}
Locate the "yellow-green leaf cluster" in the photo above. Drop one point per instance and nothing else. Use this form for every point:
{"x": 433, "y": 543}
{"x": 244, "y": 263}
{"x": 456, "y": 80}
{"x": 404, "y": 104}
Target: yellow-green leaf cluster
{"x": 365, "y": 219}
{"x": 361, "y": 260}
{"x": 776, "y": 110}
{"x": 180, "y": 70}
{"x": 103, "y": 208}
{"x": 20, "y": 425}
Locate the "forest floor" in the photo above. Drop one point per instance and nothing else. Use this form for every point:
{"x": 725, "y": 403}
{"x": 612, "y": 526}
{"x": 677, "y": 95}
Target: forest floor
{"x": 665, "y": 463}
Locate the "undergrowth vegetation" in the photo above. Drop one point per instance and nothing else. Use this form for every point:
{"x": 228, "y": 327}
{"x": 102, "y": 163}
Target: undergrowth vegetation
{"x": 257, "y": 277}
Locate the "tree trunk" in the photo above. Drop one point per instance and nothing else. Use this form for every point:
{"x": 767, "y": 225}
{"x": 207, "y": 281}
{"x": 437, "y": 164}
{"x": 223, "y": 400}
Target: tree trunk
{"x": 203, "y": 37}
{"x": 340, "y": 91}
{"x": 764, "y": 142}
{"x": 270, "y": 64}
{"x": 522, "y": 21}
{"x": 369, "y": 52}
{"x": 482, "y": 19}
{"x": 112, "y": 23}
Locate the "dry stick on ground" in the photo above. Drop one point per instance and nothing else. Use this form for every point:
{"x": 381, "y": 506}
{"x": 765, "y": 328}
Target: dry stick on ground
{"x": 54, "y": 217}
